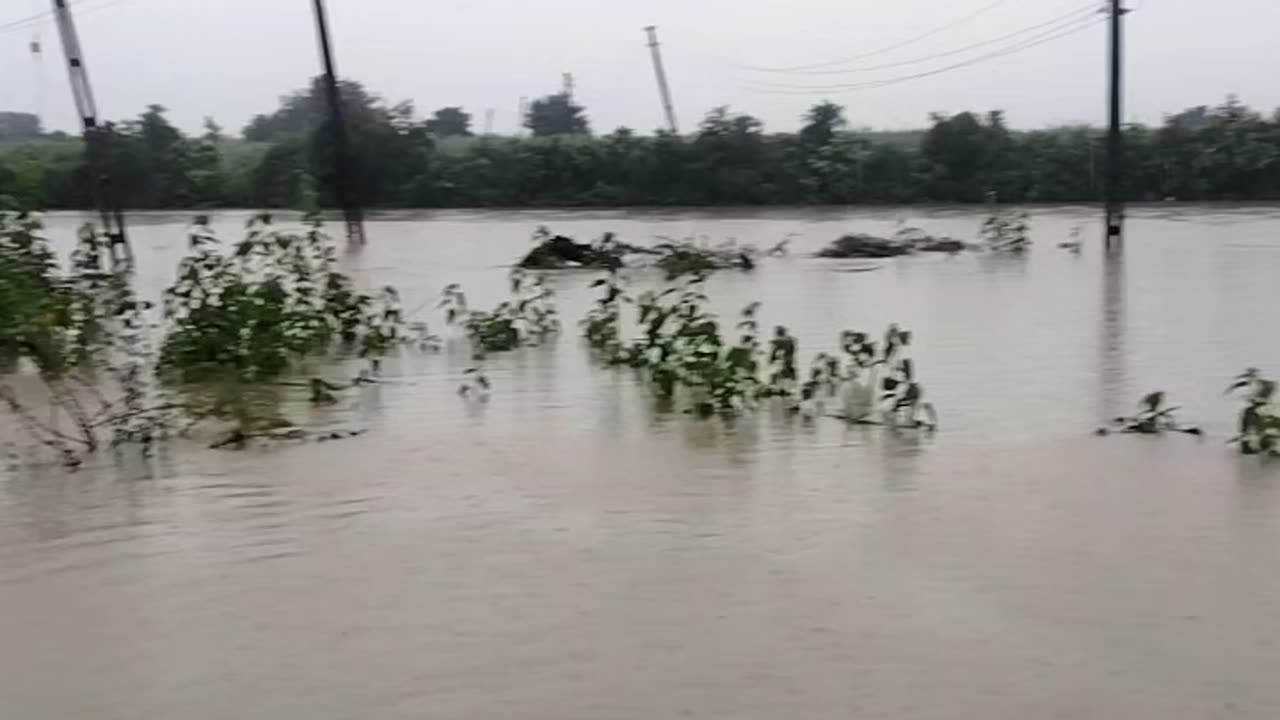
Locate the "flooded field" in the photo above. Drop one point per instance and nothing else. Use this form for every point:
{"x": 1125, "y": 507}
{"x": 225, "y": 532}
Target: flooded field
{"x": 566, "y": 551}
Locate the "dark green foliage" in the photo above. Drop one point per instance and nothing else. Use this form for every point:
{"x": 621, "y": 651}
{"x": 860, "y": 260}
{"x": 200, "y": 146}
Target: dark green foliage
{"x": 822, "y": 123}
{"x": 41, "y": 315}
{"x": 863, "y": 246}
{"x": 528, "y": 318}
{"x": 552, "y": 252}
{"x": 686, "y": 257}
{"x": 681, "y": 348}
{"x": 905, "y": 241}
{"x": 601, "y": 325}
{"x": 556, "y": 115}
{"x": 449, "y": 122}
{"x": 1223, "y": 153}
{"x": 245, "y": 314}
{"x": 683, "y": 353}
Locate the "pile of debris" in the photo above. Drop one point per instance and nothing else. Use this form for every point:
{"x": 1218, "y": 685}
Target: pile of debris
{"x": 674, "y": 257}
{"x": 557, "y": 252}
{"x": 904, "y": 242}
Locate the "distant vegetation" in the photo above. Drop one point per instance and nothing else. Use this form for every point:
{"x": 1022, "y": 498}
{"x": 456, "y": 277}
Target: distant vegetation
{"x": 1228, "y": 152}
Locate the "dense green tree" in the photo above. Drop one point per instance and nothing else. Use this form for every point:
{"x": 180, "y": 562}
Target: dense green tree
{"x": 302, "y": 111}
{"x": 449, "y": 122}
{"x": 1228, "y": 152}
{"x": 212, "y": 131}
{"x": 19, "y": 126}
{"x": 822, "y": 123}
{"x": 556, "y": 115}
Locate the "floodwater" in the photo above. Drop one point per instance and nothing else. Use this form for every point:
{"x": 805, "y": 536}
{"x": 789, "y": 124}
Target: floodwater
{"x": 567, "y": 551}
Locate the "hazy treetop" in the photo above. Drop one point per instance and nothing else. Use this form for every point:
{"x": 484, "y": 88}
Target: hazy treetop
{"x": 232, "y": 59}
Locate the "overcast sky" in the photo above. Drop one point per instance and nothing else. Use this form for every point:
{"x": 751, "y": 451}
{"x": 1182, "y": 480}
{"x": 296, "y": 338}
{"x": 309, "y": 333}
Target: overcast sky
{"x": 232, "y": 58}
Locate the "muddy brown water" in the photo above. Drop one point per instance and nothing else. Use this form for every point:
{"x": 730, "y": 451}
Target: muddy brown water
{"x": 568, "y": 551}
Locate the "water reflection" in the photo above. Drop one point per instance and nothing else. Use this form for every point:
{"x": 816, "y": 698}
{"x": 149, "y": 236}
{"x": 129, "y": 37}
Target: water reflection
{"x": 1112, "y": 363}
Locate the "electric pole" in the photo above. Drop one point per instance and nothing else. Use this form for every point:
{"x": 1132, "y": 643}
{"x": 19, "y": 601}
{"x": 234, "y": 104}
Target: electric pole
{"x": 488, "y": 122}
{"x": 351, "y": 212}
{"x": 663, "y": 89}
{"x": 567, "y": 89}
{"x": 95, "y": 139}
{"x": 1115, "y": 136}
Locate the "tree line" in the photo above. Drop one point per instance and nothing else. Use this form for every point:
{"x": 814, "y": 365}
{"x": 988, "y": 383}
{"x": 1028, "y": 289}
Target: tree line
{"x": 397, "y": 159}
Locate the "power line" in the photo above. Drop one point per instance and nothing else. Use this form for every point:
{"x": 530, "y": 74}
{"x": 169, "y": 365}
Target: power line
{"x": 1078, "y": 14}
{"x": 1024, "y": 45}
{"x": 40, "y": 18}
{"x": 888, "y": 48}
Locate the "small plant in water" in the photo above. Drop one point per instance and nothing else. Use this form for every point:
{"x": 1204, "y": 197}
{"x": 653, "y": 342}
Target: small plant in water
{"x": 878, "y": 381}
{"x": 601, "y": 326}
{"x": 1006, "y": 229}
{"x": 1154, "y": 416}
{"x": 1260, "y": 418}
{"x": 528, "y": 318}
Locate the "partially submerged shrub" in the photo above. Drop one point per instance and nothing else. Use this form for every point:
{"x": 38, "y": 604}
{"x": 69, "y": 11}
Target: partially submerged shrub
{"x": 1006, "y": 229}
{"x": 528, "y": 318}
{"x": 36, "y": 302}
{"x": 601, "y": 326}
{"x": 1154, "y": 416}
{"x": 906, "y": 241}
{"x": 1260, "y": 419}
{"x": 877, "y": 381}
{"x": 863, "y": 246}
{"x": 84, "y": 333}
{"x": 688, "y": 258}
{"x": 245, "y": 315}
{"x": 683, "y": 352}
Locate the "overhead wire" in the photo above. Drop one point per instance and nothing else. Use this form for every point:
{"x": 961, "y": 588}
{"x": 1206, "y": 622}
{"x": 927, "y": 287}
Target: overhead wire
{"x": 1077, "y": 14}
{"x": 35, "y": 20}
{"x": 888, "y": 48}
{"x": 1042, "y": 39}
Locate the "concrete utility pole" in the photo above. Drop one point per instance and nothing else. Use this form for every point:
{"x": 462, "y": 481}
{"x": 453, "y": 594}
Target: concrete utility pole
{"x": 663, "y": 89}
{"x": 95, "y": 139}
{"x": 1115, "y": 137}
{"x": 351, "y": 212}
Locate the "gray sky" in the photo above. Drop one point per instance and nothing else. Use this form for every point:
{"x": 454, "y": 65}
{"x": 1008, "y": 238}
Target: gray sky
{"x": 233, "y": 58}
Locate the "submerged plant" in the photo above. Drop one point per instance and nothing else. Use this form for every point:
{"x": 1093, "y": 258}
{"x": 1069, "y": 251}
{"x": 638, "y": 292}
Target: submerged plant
{"x": 682, "y": 350}
{"x": 528, "y": 318}
{"x": 1006, "y": 229}
{"x": 684, "y": 258}
{"x": 86, "y": 336}
{"x": 245, "y": 315}
{"x": 782, "y": 379}
{"x": 1154, "y": 416}
{"x": 1260, "y": 419}
{"x": 680, "y": 346}
{"x": 602, "y": 325}
{"x": 878, "y": 381}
